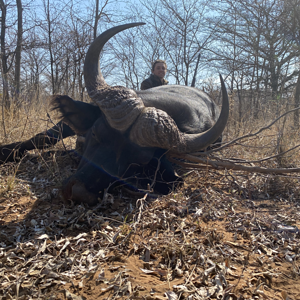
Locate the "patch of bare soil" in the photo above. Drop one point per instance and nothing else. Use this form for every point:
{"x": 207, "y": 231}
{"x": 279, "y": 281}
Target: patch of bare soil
{"x": 222, "y": 236}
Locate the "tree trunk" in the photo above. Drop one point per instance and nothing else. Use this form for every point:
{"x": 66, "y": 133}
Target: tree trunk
{"x": 196, "y": 70}
{"x": 96, "y": 19}
{"x": 18, "y": 53}
{"x": 5, "y": 97}
{"x": 297, "y": 102}
{"x": 49, "y": 23}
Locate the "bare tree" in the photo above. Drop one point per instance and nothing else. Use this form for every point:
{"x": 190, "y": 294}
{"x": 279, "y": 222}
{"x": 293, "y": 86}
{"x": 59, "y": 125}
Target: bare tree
{"x": 182, "y": 30}
{"x": 291, "y": 24}
{"x": 4, "y": 64}
{"x": 128, "y": 58}
{"x": 59, "y": 45}
{"x": 18, "y": 51}
{"x": 50, "y": 25}
{"x": 99, "y": 12}
{"x": 263, "y": 57}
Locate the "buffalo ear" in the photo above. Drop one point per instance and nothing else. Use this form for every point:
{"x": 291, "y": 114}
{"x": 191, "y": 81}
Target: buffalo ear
{"x": 80, "y": 116}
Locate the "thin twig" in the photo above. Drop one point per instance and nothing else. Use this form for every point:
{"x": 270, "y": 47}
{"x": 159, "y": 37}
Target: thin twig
{"x": 61, "y": 138}
{"x": 141, "y": 206}
{"x": 24, "y": 127}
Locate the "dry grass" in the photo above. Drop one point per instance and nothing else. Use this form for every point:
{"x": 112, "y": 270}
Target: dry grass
{"x": 22, "y": 124}
{"x": 225, "y": 235}
{"x": 27, "y": 122}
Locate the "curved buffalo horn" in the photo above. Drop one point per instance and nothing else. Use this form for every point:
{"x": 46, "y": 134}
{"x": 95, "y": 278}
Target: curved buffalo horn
{"x": 155, "y": 128}
{"x": 120, "y": 105}
{"x": 92, "y": 73}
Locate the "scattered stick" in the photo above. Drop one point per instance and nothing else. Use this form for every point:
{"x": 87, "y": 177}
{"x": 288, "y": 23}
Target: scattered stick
{"x": 229, "y": 165}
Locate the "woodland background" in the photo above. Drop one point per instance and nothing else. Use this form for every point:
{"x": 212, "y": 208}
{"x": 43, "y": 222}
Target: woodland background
{"x": 255, "y": 45}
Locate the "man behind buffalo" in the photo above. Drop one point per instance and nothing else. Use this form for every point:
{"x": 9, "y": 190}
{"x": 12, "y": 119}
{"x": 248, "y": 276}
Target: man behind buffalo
{"x": 159, "y": 69}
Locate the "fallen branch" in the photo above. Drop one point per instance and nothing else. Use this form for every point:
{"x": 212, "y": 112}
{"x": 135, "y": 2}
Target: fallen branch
{"x": 227, "y": 165}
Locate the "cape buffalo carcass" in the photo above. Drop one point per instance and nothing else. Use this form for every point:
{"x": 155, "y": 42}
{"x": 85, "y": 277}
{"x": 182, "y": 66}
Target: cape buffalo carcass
{"x": 129, "y": 132}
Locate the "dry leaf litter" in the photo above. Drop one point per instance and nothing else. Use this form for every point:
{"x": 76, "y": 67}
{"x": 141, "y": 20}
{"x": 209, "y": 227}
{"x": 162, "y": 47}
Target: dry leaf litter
{"x": 224, "y": 235}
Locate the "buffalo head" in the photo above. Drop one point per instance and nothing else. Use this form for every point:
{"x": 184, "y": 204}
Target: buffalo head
{"x": 128, "y": 132}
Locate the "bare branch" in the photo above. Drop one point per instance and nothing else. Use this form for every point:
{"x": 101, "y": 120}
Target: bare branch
{"x": 230, "y": 165}
{"x": 246, "y": 135}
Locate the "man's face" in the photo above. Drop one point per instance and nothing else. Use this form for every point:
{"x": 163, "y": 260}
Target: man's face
{"x": 160, "y": 70}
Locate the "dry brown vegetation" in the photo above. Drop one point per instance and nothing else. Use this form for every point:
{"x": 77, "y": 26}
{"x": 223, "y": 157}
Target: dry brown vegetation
{"x": 226, "y": 234}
